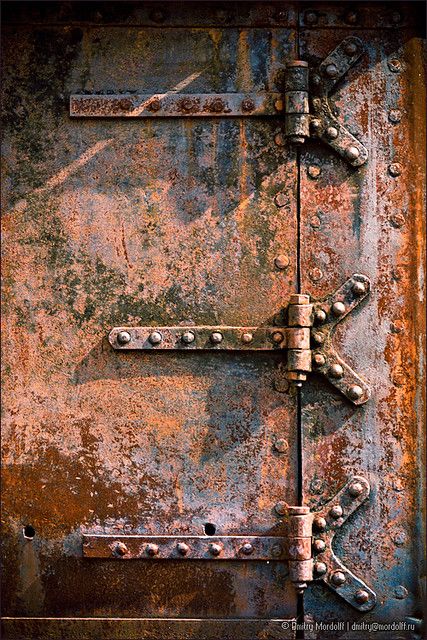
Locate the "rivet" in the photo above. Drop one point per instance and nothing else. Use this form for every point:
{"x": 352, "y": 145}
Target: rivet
{"x": 350, "y": 48}
{"x": 215, "y": 549}
{"x": 317, "y": 337}
{"x": 320, "y": 316}
{"x": 314, "y": 171}
{"x": 395, "y": 116}
{"x": 315, "y": 126}
{"x": 248, "y": 105}
{"x": 394, "y": 65}
{"x": 331, "y": 71}
{"x": 315, "y": 222}
{"x": 221, "y": 15}
{"x": 188, "y": 337}
{"x": 319, "y": 523}
{"x": 400, "y": 592}
{"x": 351, "y": 17}
{"x": 277, "y": 337}
{"x": 338, "y": 578}
{"x": 282, "y": 261}
{"x": 358, "y": 288}
{"x": 320, "y": 568}
{"x": 281, "y": 445}
{"x": 331, "y": 133}
{"x": 157, "y": 16}
{"x": 152, "y": 549}
{"x": 216, "y": 337}
{"x": 395, "y": 169}
{"x": 399, "y": 538}
{"x": 397, "y": 220}
{"x": 154, "y": 105}
{"x": 280, "y": 139}
{"x": 281, "y": 508}
{"x": 335, "y": 511}
{"x": 182, "y": 548}
{"x": 352, "y": 153}
{"x": 278, "y": 105}
{"x": 247, "y": 338}
{"x": 123, "y": 337}
{"x": 355, "y": 489}
{"x": 396, "y": 17}
{"x": 319, "y": 359}
{"x": 247, "y": 549}
{"x": 336, "y": 371}
{"x": 397, "y": 326}
{"x": 316, "y": 80}
{"x": 319, "y": 545}
{"x": 281, "y": 199}
{"x": 315, "y": 274}
{"x": 361, "y": 596}
{"x": 310, "y": 17}
{"x": 338, "y": 309}
{"x": 155, "y": 337}
{"x": 355, "y": 392}
{"x": 276, "y": 550}
{"x": 121, "y": 549}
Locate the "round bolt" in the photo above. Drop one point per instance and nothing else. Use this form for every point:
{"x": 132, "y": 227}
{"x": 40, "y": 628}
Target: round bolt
{"x": 155, "y": 337}
{"x": 316, "y": 80}
{"x": 400, "y": 592}
{"x": 152, "y": 549}
{"x": 319, "y": 359}
{"x": 310, "y": 17}
{"x": 278, "y": 105}
{"x": 320, "y": 316}
{"x": 315, "y": 222}
{"x": 248, "y": 105}
{"x": 315, "y": 274}
{"x": 396, "y": 17}
{"x": 281, "y": 508}
{"x": 314, "y": 172}
{"x": 182, "y": 548}
{"x": 319, "y": 523}
{"x": 216, "y": 337}
{"x": 355, "y": 392}
{"x": 320, "y": 568}
{"x": 317, "y": 337}
{"x": 395, "y": 169}
{"x": 355, "y": 489}
{"x": 315, "y": 126}
{"x": 350, "y": 48}
{"x": 282, "y": 261}
{"x": 280, "y": 139}
{"x": 397, "y": 220}
{"x": 120, "y": 549}
{"x": 281, "y": 445}
{"x": 277, "y": 337}
{"x": 338, "y": 578}
{"x": 352, "y": 153}
{"x": 247, "y": 549}
{"x": 395, "y": 116}
{"x": 394, "y": 65}
{"x": 361, "y": 596}
{"x": 358, "y": 288}
{"x": 319, "y": 545}
{"x": 276, "y": 550}
{"x": 215, "y": 549}
{"x": 188, "y": 337}
{"x": 222, "y": 15}
{"x": 351, "y": 17}
{"x": 157, "y": 16}
{"x": 123, "y": 337}
{"x": 338, "y": 308}
{"x": 331, "y": 71}
{"x": 336, "y": 371}
{"x": 247, "y": 338}
{"x": 331, "y": 133}
{"x": 154, "y": 105}
{"x": 335, "y": 511}
{"x": 280, "y": 199}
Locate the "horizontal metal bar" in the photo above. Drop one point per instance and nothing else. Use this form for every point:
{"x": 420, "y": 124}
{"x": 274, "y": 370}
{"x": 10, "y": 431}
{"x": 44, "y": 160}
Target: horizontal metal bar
{"x": 142, "y": 547}
{"x": 171, "y": 104}
{"x": 199, "y": 337}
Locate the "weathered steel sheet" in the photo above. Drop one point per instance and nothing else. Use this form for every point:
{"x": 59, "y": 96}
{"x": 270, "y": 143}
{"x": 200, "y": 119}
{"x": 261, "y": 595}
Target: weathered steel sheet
{"x": 130, "y": 222}
{"x": 369, "y": 220}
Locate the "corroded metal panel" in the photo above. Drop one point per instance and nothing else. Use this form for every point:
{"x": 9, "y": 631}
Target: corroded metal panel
{"x": 370, "y": 220}
{"x": 128, "y": 222}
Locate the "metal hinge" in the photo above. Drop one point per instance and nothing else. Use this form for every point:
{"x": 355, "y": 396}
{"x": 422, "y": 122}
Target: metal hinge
{"x": 305, "y": 338}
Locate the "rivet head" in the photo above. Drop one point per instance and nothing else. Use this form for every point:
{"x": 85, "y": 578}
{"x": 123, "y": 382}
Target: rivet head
{"x": 351, "y": 17}
{"x": 120, "y": 549}
{"x": 281, "y": 445}
{"x": 336, "y": 371}
{"x": 152, "y": 549}
{"x": 281, "y": 508}
{"x": 395, "y": 169}
{"x": 247, "y": 549}
{"x": 216, "y": 337}
{"x": 320, "y": 568}
{"x": 154, "y": 105}
{"x": 316, "y": 80}
{"x": 319, "y": 523}
{"x": 315, "y": 274}
{"x": 395, "y": 116}
{"x": 317, "y": 337}
{"x": 331, "y": 133}
{"x": 394, "y": 65}
{"x": 319, "y": 359}
{"x": 276, "y": 550}
{"x": 396, "y": 17}
{"x": 282, "y": 261}
{"x": 355, "y": 489}
{"x": 338, "y": 578}
{"x": 182, "y": 548}
{"x": 248, "y": 105}
{"x": 319, "y": 545}
{"x": 157, "y": 16}
{"x": 314, "y": 171}
{"x": 358, "y": 288}
{"x": 315, "y": 125}
{"x": 123, "y": 337}
{"x": 277, "y": 337}
{"x": 355, "y": 392}
{"x": 352, "y": 153}
{"x": 338, "y": 309}
{"x": 310, "y": 17}
{"x": 188, "y": 337}
{"x": 278, "y": 105}
{"x": 155, "y": 337}
{"x": 361, "y": 596}
{"x": 320, "y": 316}
{"x": 400, "y": 592}
{"x": 280, "y": 139}
{"x": 397, "y": 220}
{"x": 247, "y": 338}
{"x": 331, "y": 71}
{"x": 336, "y": 511}
{"x": 350, "y": 48}
{"x": 215, "y": 549}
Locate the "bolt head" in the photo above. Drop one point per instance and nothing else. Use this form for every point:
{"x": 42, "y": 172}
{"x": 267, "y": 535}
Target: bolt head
{"x": 336, "y": 371}
{"x": 320, "y": 568}
{"x": 319, "y": 523}
{"x": 248, "y": 105}
{"x": 319, "y": 359}
{"x": 315, "y": 126}
{"x": 282, "y": 261}
{"x": 359, "y": 288}
{"x": 152, "y": 549}
{"x": 281, "y": 445}
{"x": 280, "y": 139}
{"x": 395, "y": 116}
{"x": 350, "y": 48}
{"x": 351, "y": 17}
{"x": 216, "y": 337}
{"x": 279, "y": 105}
{"x": 352, "y": 153}
{"x": 314, "y": 171}
{"x": 336, "y": 511}
{"x": 155, "y": 337}
{"x": 247, "y": 549}
{"x": 396, "y": 17}
{"x": 338, "y": 578}
{"x": 281, "y": 508}
{"x": 355, "y": 489}
{"x": 310, "y": 17}
{"x": 395, "y": 169}
{"x": 331, "y": 71}
{"x": 182, "y": 548}
{"x": 355, "y": 392}
{"x": 277, "y": 337}
{"x": 120, "y": 549}
{"x": 188, "y": 337}
{"x": 247, "y": 338}
{"x": 394, "y": 65}
{"x": 320, "y": 316}
{"x": 331, "y": 133}
{"x": 123, "y": 337}
{"x": 361, "y": 596}
{"x": 319, "y": 545}
{"x": 215, "y": 549}
{"x": 338, "y": 309}
{"x": 318, "y": 338}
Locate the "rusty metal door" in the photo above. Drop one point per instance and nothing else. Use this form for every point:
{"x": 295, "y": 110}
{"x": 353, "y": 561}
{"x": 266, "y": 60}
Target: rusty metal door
{"x": 212, "y": 235}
